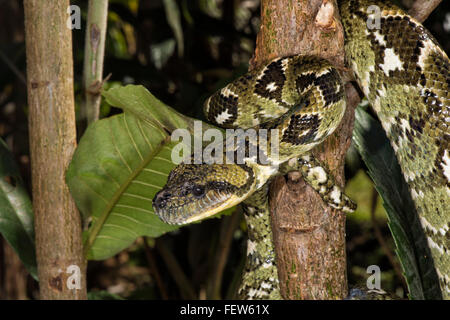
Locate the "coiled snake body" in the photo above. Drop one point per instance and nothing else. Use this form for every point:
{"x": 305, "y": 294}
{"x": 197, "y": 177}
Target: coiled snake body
{"x": 404, "y": 74}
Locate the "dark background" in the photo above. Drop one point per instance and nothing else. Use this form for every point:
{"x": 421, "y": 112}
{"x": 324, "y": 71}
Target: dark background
{"x": 181, "y": 55}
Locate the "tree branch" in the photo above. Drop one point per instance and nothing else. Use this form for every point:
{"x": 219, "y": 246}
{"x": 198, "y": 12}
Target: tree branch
{"x": 183, "y": 283}
{"x": 52, "y": 143}
{"x": 154, "y": 270}
{"x": 228, "y": 226}
{"x": 94, "y": 50}
{"x": 309, "y": 237}
{"x": 421, "y": 9}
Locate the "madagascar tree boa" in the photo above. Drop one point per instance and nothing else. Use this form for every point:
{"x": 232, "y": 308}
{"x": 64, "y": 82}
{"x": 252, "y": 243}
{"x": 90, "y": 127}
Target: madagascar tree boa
{"x": 404, "y": 74}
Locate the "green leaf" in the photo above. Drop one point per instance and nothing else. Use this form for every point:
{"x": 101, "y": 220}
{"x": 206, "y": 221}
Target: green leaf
{"x": 120, "y": 164}
{"x": 16, "y": 212}
{"x": 378, "y": 155}
{"x": 138, "y": 101}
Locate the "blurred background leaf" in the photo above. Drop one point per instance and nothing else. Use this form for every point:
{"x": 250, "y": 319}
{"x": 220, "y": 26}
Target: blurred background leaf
{"x": 410, "y": 241}
{"x": 174, "y": 20}
{"x": 16, "y": 212}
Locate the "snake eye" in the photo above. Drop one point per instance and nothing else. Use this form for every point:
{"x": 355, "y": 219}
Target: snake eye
{"x": 198, "y": 191}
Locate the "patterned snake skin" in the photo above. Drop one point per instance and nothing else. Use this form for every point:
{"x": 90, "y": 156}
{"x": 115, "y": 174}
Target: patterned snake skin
{"x": 405, "y": 76}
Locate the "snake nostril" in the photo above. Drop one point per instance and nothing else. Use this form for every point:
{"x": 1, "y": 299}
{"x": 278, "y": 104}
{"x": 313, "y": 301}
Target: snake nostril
{"x": 158, "y": 199}
{"x": 161, "y": 198}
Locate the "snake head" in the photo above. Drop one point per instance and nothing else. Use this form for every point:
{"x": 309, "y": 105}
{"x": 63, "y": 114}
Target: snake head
{"x": 195, "y": 192}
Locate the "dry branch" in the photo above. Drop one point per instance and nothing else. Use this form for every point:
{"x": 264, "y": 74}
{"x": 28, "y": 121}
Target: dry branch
{"x": 422, "y": 9}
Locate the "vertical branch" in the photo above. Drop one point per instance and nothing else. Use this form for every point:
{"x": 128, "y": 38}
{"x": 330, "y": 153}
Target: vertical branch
{"x": 186, "y": 289}
{"x": 309, "y": 236}
{"x": 154, "y": 270}
{"x": 94, "y": 50}
{"x": 228, "y": 226}
{"x": 52, "y": 143}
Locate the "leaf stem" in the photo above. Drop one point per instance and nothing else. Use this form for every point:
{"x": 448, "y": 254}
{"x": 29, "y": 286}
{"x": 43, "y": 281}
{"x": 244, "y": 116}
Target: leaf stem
{"x": 228, "y": 226}
{"x": 183, "y": 283}
{"x": 154, "y": 269}
{"x": 94, "y": 50}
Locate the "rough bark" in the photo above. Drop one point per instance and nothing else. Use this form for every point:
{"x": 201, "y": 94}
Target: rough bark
{"x": 422, "y": 9}
{"x": 309, "y": 236}
{"x": 52, "y": 143}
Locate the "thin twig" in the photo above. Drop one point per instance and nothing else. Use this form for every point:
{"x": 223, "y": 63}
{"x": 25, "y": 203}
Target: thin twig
{"x": 421, "y": 9}
{"x": 93, "y": 57}
{"x": 232, "y": 290}
{"x": 381, "y": 240}
{"x": 154, "y": 270}
{"x": 13, "y": 68}
{"x": 228, "y": 226}
{"x": 184, "y": 285}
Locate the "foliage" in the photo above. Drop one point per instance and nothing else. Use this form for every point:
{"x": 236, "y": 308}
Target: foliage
{"x": 383, "y": 168}
{"x": 16, "y": 212}
{"x": 119, "y": 165}
{"x": 181, "y": 55}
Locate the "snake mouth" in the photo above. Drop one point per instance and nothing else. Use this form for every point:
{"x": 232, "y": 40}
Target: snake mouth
{"x": 185, "y": 212}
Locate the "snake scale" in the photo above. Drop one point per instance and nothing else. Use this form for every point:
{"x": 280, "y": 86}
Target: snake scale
{"x": 405, "y": 76}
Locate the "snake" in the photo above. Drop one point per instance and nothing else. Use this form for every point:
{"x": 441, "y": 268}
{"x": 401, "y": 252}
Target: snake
{"x": 300, "y": 100}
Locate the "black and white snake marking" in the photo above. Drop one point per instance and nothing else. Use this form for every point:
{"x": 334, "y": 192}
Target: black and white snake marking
{"x": 404, "y": 74}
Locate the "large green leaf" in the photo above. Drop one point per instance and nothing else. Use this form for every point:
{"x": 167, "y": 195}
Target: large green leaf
{"x": 119, "y": 165}
{"x": 411, "y": 243}
{"x": 16, "y": 212}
